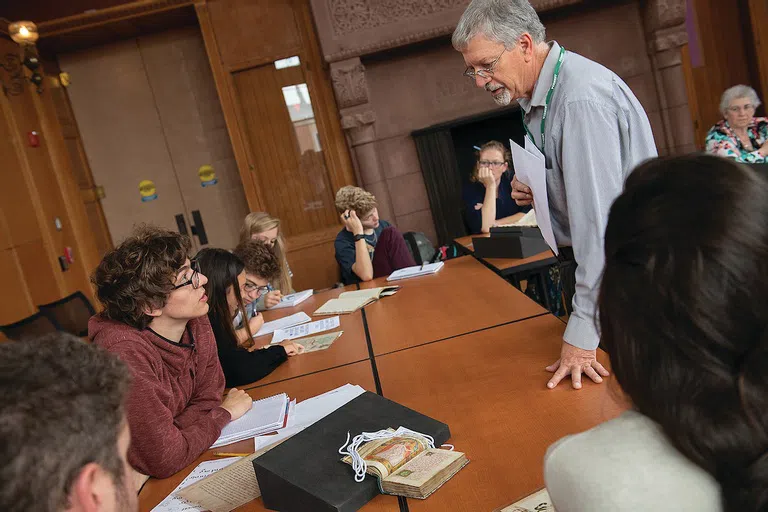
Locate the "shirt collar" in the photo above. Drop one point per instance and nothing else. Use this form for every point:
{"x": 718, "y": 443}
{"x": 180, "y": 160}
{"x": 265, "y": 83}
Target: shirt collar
{"x": 544, "y": 82}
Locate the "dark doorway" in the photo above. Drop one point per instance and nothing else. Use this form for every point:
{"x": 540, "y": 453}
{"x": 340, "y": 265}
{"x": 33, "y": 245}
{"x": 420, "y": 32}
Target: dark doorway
{"x": 447, "y": 154}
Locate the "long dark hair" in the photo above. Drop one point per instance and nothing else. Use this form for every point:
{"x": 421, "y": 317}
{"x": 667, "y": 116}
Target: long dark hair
{"x": 222, "y": 268}
{"x": 683, "y": 312}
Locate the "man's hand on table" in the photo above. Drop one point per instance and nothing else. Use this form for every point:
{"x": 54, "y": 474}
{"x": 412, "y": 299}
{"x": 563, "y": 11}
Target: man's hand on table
{"x": 575, "y": 361}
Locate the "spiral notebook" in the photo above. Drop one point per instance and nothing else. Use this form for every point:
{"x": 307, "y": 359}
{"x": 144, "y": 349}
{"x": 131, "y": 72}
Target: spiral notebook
{"x": 265, "y": 416}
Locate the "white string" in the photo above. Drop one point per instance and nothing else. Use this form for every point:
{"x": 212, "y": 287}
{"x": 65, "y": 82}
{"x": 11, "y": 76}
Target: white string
{"x": 358, "y": 463}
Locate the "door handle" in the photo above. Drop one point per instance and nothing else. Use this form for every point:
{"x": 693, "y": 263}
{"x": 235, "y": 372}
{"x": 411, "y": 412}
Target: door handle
{"x": 198, "y": 228}
{"x": 181, "y": 223}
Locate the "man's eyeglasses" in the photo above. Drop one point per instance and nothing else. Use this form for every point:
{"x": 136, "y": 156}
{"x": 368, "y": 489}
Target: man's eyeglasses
{"x": 488, "y": 163}
{"x": 484, "y": 72}
{"x": 194, "y": 279}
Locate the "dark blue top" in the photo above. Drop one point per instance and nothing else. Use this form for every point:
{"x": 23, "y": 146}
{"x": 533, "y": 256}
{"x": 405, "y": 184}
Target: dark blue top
{"x": 345, "y": 251}
{"x": 474, "y": 193}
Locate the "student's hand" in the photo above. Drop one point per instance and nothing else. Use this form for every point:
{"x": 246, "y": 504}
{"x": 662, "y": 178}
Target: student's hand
{"x": 351, "y": 222}
{"x": 521, "y": 193}
{"x": 273, "y": 298}
{"x": 255, "y": 323}
{"x": 237, "y": 403}
{"x": 292, "y": 348}
{"x": 574, "y": 361}
{"x": 486, "y": 177}
{"x": 764, "y": 149}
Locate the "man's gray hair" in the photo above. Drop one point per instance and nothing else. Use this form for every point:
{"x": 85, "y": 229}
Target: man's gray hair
{"x": 736, "y": 92}
{"x": 503, "y": 21}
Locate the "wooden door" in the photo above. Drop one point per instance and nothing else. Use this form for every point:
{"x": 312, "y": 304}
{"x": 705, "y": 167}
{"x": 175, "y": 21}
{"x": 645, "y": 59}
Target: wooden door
{"x": 90, "y": 191}
{"x": 123, "y": 137}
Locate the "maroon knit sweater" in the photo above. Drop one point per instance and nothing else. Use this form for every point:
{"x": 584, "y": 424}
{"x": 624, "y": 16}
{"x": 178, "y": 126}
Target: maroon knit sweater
{"x": 174, "y": 403}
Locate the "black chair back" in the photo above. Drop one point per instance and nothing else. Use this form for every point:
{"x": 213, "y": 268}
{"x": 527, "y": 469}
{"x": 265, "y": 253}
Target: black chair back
{"x": 31, "y": 327}
{"x": 70, "y": 314}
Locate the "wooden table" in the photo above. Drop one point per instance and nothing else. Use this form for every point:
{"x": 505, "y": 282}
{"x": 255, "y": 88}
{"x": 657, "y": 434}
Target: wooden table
{"x": 463, "y": 297}
{"x": 489, "y": 387}
{"x": 301, "y": 388}
{"x": 508, "y": 266}
{"x": 351, "y": 347}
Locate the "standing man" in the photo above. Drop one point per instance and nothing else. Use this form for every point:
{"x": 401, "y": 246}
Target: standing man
{"x": 590, "y": 127}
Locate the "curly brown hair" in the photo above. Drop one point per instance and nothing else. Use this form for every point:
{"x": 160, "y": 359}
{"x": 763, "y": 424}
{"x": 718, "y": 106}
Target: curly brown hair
{"x": 138, "y": 275}
{"x": 258, "y": 259}
{"x": 355, "y": 198}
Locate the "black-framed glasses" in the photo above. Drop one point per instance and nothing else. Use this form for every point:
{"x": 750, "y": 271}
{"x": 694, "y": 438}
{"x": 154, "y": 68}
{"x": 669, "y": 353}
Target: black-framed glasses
{"x": 194, "y": 279}
{"x": 484, "y": 72}
{"x": 488, "y": 163}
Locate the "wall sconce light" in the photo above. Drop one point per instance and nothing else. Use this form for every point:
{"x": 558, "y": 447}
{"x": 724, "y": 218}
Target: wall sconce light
{"x": 25, "y": 34}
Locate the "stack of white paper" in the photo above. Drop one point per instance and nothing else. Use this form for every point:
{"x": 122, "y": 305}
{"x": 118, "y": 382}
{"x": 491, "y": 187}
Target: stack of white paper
{"x": 283, "y": 323}
{"x": 527, "y": 220}
{"x": 418, "y": 270}
{"x": 293, "y": 299}
{"x": 266, "y": 415}
{"x": 312, "y": 410}
{"x": 300, "y": 331}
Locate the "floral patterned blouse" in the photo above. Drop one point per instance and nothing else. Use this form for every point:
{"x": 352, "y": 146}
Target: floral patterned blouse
{"x": 722, "y": 141}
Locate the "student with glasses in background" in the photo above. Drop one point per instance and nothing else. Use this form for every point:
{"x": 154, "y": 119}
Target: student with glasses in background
{"x": 243, "y": 360}
{"x": 155, "y": 320}
{"x": 488, "y": 195}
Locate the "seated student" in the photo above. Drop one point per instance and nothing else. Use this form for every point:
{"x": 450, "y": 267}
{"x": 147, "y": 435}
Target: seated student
{"x": 243, "y": 362}
{"x": 262, "y": 226}
{"x": 63, "y": 429}
{"x": 683, "y": 310}
{"x": 488, "y": 195}
{"x": 367, "y": 247}
{"x": 155, "y": 320}
{"x": 261, "y": 268}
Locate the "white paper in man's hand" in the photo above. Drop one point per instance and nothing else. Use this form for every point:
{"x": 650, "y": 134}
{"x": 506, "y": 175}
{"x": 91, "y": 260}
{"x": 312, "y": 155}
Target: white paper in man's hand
{"x": 530, "y": 169}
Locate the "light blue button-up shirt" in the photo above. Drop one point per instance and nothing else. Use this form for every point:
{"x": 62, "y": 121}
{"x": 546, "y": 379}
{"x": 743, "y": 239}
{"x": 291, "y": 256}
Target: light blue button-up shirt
{"x": 596, "y": 133}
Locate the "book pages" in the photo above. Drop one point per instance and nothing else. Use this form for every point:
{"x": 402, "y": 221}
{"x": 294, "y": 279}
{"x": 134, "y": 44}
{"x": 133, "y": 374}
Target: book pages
{"x": 536, "y": 502}
{"x": 424, "y": 467}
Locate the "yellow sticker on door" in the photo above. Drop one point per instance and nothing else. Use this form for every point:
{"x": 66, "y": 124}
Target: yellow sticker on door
{"x": 207, "y": 176}
{"x": 147, "y": 190}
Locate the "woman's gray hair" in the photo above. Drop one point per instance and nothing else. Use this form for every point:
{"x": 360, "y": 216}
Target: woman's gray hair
{"x": 736, "y": 92}
{"x": 503, "y": 21}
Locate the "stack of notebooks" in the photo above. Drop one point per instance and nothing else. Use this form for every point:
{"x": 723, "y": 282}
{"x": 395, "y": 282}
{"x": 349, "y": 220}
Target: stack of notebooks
{"x": 349, "y": 302}
{"x": 265, "y": 416}
{"x": 405, "y": 466}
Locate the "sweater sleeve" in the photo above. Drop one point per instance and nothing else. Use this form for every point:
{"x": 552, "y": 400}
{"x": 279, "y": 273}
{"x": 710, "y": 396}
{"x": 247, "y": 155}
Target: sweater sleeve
{"x": 159, "y": 446}
{"x": 207, "y": 395}
{"x": 243, "y": 367}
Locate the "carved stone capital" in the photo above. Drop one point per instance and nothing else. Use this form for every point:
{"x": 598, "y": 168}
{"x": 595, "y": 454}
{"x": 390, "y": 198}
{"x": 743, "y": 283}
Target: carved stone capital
{"x": 359, "y": 127}
{"x": 667, "y": 39}
{"x": 349, "y": 84}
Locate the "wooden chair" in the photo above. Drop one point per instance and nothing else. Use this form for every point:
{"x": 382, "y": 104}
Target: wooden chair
{"x": 70, "y": 314}
{"x": 31, "y": 327}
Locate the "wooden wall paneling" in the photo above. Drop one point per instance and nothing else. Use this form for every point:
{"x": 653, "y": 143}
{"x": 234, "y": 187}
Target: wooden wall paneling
{"x": 253, "y": 32}
{"x": 42, "y": 274}
{"x": 758, "y": 14}
{"x": 15, "y": 300}
{"x": 5, "y": 236}
{"x": 332, "y": 139}
{"x": 314, "y": 255}
{"x": 225, "y": 87}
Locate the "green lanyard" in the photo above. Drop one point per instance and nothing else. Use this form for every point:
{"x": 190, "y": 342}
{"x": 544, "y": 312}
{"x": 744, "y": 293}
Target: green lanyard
{"x": 546, "y": 104}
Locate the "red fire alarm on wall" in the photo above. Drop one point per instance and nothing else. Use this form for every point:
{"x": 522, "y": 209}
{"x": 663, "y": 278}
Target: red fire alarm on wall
{"x": 34, "y": 139}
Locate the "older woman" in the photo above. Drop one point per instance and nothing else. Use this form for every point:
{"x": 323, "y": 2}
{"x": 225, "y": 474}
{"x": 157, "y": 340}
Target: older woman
{"x": 740, "y": 135}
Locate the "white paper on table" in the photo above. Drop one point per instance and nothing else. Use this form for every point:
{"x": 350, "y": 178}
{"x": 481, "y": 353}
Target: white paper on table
{"x": 530, "y": 169}
{"x": 173, "y": 503}
{"x": 300, "y": 331}
{"x": 265, "y": 415}
{"x": 283, "y": 323}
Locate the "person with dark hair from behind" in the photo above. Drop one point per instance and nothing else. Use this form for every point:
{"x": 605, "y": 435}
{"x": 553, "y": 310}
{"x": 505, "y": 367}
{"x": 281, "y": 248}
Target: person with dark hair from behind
{"x": 155, "y": 320}
{"x": 63, "y": 428}
{"x": 366, "y": 247}
{"x": 243, "y": 362}
{"x": 683, "y": 312}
